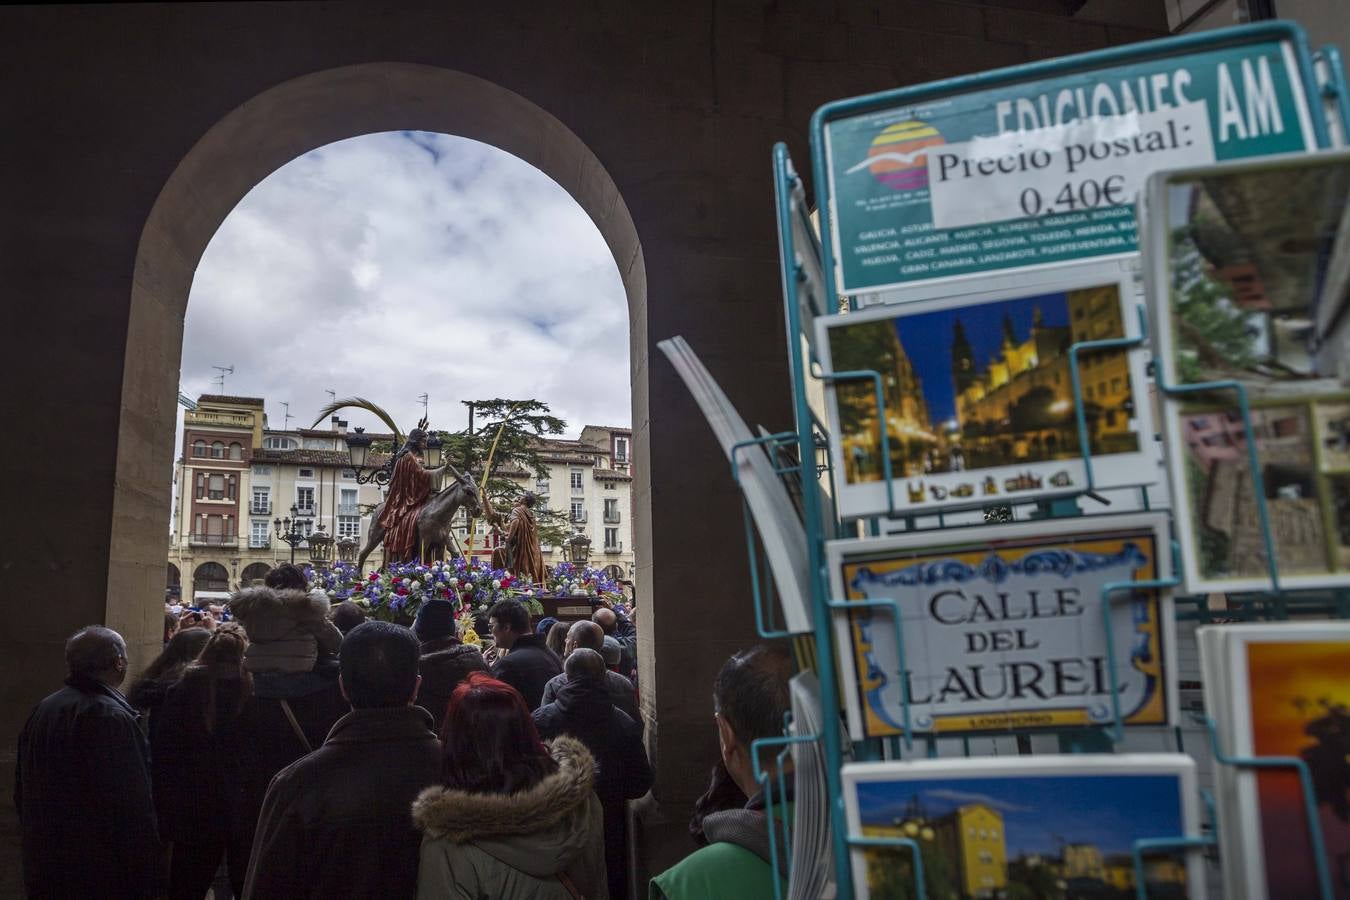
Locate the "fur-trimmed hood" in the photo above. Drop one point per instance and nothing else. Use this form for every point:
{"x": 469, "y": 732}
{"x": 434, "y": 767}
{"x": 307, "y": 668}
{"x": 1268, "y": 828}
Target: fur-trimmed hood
{"x": 461, "y": 816}
{"x": 268, "y": 614}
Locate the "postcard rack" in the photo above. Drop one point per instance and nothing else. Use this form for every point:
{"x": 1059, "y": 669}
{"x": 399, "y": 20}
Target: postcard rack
{"x": 802, "y": 460}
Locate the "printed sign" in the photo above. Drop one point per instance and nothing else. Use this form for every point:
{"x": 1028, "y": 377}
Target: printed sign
{"x": 1044, "y": 171}
{"x": 1003, "y": 630}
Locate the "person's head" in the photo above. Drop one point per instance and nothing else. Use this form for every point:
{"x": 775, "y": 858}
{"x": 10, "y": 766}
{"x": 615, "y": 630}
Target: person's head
{"x": 509, "y": 621}
{"x": 612, "y": 651}
{"x": 170, "y": 624}
{"x": 529, "y": 499}
{"x": 347, "y": 615}
{"x": 557, "y": 638}
{"x": 482, "y": 625}
{"x": 442, "y": 672}
{"x": 585, "y": 666}
{"x": 198, "y": 618}
{"x": 543, "y": 625}
{"x": 379, "y": 666}
{"x": 286, "y": 576}
{"x": 490, "y": 745}
{"x": 183, "y": 648}
{"x": 417, "y": 441}
{"x": 750, "y": 699}
{"x": 222, "y": 659}
{"x": 99, "y": 653}
{"x": 435, "y": 621}
{"x": 585, "y": 634}
{"x": 606, "y": 619}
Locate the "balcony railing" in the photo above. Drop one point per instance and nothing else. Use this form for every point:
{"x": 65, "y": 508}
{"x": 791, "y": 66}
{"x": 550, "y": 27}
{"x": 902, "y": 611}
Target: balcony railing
{"x": 204, "y": 417}
{"x": 578, "y": 491}
{"x": 349, "y": 509}
{"x": 260, "y": 543}
{"x": 304, "y": 512}
{"x": 214, "y": 540}
{"x": 579, "y": 519}
{"x": 611, "y": 518}
{"x": 614, "y": 548}
{"x": 260, "y": 509}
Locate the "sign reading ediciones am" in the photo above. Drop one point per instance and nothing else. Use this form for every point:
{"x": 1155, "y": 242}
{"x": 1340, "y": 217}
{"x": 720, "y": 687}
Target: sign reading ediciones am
{"x": 1045, "y": 171}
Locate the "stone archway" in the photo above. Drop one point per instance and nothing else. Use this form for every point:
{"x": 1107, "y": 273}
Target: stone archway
{"x": 239, "y": 151}
{"x": 254, "y": 572}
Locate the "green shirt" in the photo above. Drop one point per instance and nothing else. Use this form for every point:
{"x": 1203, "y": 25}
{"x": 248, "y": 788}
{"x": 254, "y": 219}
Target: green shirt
{"x": 717, "y": 871}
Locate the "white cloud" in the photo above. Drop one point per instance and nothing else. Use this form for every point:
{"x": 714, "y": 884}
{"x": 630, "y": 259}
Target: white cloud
{"x": 394, "y": 264}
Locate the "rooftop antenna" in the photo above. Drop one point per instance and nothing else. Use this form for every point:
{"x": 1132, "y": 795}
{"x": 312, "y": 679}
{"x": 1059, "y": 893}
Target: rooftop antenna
{"x": 423, "y": 399}
{"x": 332, "y": 395}
{"x": 220, "y": 377}
{"x": 286, "y": 420}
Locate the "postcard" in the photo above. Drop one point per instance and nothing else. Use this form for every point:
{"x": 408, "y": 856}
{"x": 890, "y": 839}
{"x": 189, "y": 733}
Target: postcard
{"x": 1002, "y": 627}
{"x": 978, "y": 397}
{"x": 1287, "y": 694}
{"x": 1024, "y": 826}
{"x": 1241, "y": 256}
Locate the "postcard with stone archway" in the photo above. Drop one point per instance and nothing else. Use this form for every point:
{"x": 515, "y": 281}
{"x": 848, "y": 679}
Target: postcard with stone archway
{"x": 978, "y": 402}
{"x": 1024, "y": 826}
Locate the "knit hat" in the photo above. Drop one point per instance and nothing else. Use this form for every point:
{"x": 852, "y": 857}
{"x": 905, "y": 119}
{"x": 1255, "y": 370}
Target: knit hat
{"x": 613, "y": 650}
{"x": 544, "y": 625}
{"x": 435, "y": 620}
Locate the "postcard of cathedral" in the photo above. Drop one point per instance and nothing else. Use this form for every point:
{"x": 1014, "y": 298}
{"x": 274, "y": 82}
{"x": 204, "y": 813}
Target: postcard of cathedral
{"x": 977, "y": 397}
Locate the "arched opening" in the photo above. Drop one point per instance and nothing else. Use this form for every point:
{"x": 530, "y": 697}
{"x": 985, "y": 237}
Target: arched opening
{"x": 234, "y": 155}
{"x": 173, "y": 584}
{"x": 210, "y": 577}
{"x": 253, "y": 574}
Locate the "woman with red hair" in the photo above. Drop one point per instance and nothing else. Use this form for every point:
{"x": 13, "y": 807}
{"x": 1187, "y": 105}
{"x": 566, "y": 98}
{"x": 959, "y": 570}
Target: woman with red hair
{"x": 516, "y": 818}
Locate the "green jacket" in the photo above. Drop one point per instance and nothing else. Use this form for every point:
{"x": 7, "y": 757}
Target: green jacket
{"x": 514, "y": 847}
{"x": 734, "y": 865}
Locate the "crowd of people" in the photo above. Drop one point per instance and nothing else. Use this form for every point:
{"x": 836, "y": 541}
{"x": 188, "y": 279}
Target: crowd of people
{"x": 280, "y": 748}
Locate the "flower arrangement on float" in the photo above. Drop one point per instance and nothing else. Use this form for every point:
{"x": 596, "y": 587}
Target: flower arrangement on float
{"x": 398, "y": 591}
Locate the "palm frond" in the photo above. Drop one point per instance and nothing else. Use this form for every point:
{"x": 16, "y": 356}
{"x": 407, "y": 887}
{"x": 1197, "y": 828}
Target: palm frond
{"x": 361, "y": 403}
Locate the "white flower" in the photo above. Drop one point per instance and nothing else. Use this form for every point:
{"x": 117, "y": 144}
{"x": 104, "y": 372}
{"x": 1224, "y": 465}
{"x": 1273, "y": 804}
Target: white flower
{"x": 407, "y": 582}
{"x": 453, "y": 582}
{"x": 530, "y": 592}
{"x": 426, "y": 576}
{"x": 496, "y": 585}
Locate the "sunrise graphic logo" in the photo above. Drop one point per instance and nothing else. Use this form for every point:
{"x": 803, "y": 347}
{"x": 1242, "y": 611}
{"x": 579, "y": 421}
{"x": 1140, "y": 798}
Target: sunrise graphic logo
{"x": 898, "y": 156}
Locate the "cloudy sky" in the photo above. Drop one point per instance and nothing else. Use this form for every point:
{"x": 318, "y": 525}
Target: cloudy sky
{"x": 391, "y": 265}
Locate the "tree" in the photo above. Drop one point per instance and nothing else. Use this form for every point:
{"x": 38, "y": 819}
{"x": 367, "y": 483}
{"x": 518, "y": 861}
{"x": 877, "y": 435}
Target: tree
{"x": 1214, "y": 336}
{"x": 505, "y": 440}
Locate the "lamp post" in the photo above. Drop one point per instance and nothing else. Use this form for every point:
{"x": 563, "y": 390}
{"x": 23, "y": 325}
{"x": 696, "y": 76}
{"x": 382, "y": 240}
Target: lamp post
{"x": 321, "y": 549}
{"x": 289, "y": 529}
{"x": 577, "y": 548}
{"x": 346, "y": 549}
{"x": 358, "y": 454}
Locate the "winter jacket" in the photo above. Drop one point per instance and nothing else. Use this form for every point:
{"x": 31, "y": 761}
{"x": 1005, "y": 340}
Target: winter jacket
{"x": 338, "y": 823}
{"x": 513, "y": 847}
{"x": 149, "y": 695}
{"x": 621, "y": 691}
{"x": 196, "y": 772}
{"x": 287, "y": 629}
{"x": 442, "y": 672}
{"x": 82, "y": 791}
{"x": 736, "y": 862}
{"x": 585, "y": 711}
{"x": 528, "y": 667}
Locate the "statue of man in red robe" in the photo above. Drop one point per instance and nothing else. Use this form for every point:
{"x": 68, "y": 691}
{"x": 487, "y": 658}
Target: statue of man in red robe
{"x": 409, "y": 488}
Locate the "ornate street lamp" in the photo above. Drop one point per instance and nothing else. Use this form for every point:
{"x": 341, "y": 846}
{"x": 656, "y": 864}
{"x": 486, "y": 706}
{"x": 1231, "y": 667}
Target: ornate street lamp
{"x": 433, "y": 454}
{"x": 358, "y": 453}
{"x": 346, "y": 549}
{"x": 321, "y": 549}
{"x": 577, "y": 549}
{"x": 289, "y": 529}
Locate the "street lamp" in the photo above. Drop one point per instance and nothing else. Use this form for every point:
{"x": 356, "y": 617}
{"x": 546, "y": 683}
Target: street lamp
{"x": 290, "y": 529}
{"x": 433, "y": 454}
{"x": 346, "y": 549}
{"x": 358, "y": 453}
{"x": 577, "y": 548}
{"x": 321, "y": 549}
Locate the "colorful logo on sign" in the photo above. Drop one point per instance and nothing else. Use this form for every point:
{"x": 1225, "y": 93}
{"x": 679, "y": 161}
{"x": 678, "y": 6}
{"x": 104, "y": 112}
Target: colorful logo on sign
{"x": 898, "y": 157}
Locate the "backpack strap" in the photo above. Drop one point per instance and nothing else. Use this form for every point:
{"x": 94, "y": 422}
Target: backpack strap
{"x": 571, "y": 886}
{"x": 295, "y": 724}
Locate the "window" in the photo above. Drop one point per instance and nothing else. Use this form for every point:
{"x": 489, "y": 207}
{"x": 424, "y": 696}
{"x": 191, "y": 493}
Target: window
{"x": 279, "y": 443}
{"x": 348, "y": 475}
{"x": 611, "y": 538}
{"x": 201, "y": 486}
{"x": 215, "y": 487}
{"x": 307, "y": 527}
{"x": 199, "y": 447}
{"x": 218, "y": 450}
{"x": 611, "y": 510}
{"x": 578, "y": 479}
{"x": 236, "y": 451}
{"x": 347, "y": 505}
{"x": 305, "y": 473}
{"x": 304, "y": 499}
{"x": 1087, "y": 392}
{"x": 1115, "y": 385}
{"x": 259, "y": 535}
{"x": 262, "y": 470}
{"x": 349, "y": 526}
{"x": 262, "y": 502}
{"x": 609, "y": 485}
{"x": 621, "y": 450}
{"x": 578, "y": 512}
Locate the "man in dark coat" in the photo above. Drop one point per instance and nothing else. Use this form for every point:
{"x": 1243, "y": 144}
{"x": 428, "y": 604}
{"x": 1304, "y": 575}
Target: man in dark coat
{"x": 589, "y": 636}
{"x": 338, "y": 823}
{"x": 528, "y": 664}
{"x": 585, "y": 711}
{"x": 82, "y": 786}
{"x": 618, "y": 626}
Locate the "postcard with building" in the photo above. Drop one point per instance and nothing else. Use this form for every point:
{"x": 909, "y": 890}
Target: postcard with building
{"x": 1024, "y": 827}
{"x": 978, "y": 397}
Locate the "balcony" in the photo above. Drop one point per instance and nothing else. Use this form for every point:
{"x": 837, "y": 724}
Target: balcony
{"x": 349, "y": 509}
{"x": 579, "y": 519}
{"x": 260, "y": 543}
{"x": 578, "y": 491}
{"x": 304, "y": 512}
{"x": 260, "y": 509}
{"x": 227, "y": 420}
{"x": 614, "y": 548}
{"x": 213, "y": 540}
{"x": 611, "y": 518}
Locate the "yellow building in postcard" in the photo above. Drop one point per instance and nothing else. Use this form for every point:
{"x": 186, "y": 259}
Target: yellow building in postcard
{"x": 973, "y": 836}
{"x": 1084, "y": 861}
